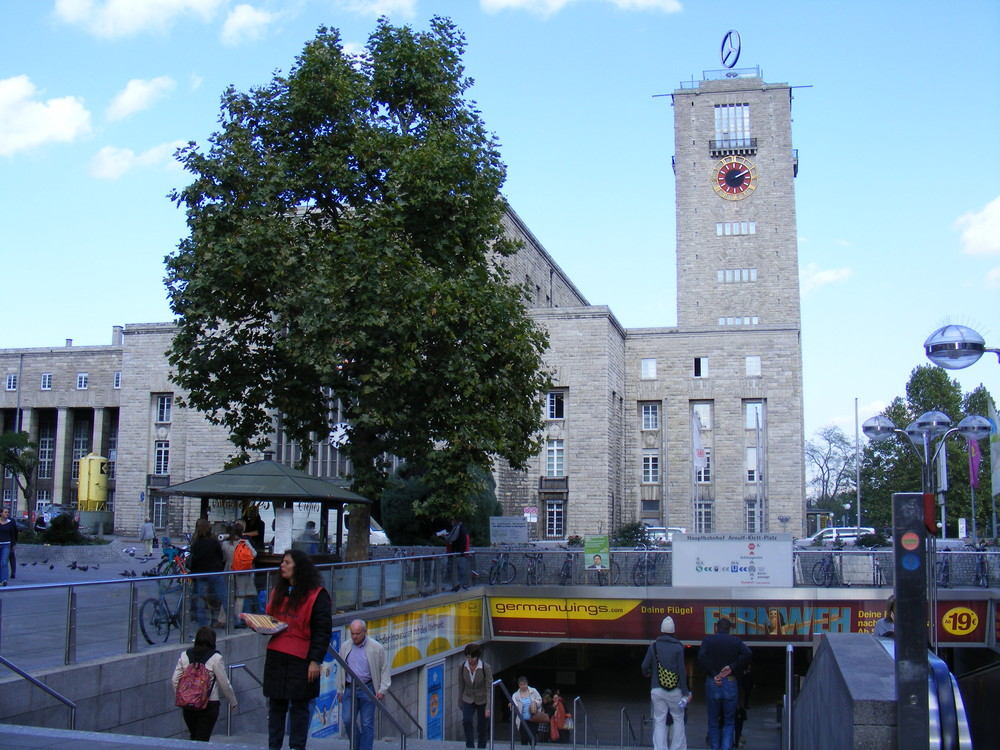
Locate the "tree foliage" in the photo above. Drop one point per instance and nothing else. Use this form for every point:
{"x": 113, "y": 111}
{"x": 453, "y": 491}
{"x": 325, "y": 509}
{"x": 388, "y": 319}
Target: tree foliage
{"x": 406, "y": 494}
{"x": 341, "y": 226}
{"x": 895, "y": 465}
{"x": 19, "y": 457}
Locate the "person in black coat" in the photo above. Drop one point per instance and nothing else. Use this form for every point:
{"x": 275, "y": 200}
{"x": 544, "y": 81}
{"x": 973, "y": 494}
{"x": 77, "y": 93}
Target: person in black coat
{"x": 206, "y": 556}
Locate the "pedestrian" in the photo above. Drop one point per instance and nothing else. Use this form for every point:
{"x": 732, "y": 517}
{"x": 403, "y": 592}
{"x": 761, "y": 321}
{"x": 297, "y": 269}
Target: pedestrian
{"x": 561, "y": 723}
{"x": 526, "y": 705}
{"x": 201, "y": 722}
{"x": 476, "y": 679}
{"x": 8, "y": 540}
{"x": 146, "y": 536}
{"x": 457, "y": 543}
{"x": 723, "y": 657}
{"x": 206, "y": 556}
{"x": 244, "y": 589}
{"x": 886, "y": 625}
{"x": 295, "y": 655}
{"x": 665, "y": 657}
{"x": 369, "y": 666}
{"x": 253, "y": 527}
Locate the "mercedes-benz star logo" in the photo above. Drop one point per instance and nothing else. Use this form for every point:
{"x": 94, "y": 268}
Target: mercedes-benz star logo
{"x": 730, "y": 48}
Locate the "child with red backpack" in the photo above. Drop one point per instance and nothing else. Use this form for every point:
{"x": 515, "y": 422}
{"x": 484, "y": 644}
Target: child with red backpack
{"x": 198, "y": 676}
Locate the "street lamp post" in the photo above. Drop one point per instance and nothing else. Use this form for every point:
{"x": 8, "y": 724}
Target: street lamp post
{"x": 956, "y": 347}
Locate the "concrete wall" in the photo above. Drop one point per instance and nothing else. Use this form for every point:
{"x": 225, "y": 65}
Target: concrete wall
{"x": 848, "y": 699}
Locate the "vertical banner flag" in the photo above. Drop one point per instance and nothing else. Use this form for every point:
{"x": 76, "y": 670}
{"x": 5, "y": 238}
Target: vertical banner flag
{"x": 975, "y": 458}
{"x": 435, "y": 701}
{"x": 994, "y": 451}
{"x": 700, "y": 460}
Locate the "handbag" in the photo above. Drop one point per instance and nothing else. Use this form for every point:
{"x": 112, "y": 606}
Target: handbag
{"x": 665, "y": 678}
{"x": 569, "y": 723}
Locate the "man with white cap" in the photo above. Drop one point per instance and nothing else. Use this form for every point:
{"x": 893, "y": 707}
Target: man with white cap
{"x": 666, "y": 655}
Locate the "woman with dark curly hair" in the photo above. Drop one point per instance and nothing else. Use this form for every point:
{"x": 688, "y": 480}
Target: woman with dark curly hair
{"x": 295, "y": 655}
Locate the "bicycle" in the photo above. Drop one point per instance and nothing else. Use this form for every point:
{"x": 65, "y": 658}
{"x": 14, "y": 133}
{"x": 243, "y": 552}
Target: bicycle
{"x": 566, "y": 572}
{"x": 983, "y": 571}
{"x": 609, "y": 576}
{"x": 172, "y": 561}
{"x": 942, "y": 572}
{"x": 644, "y": 570}
{"x": 159, "y": 614}
{"x": 824, "y": 572}
{"x": 535, "y": 570}
{"x": 502, "y": 570}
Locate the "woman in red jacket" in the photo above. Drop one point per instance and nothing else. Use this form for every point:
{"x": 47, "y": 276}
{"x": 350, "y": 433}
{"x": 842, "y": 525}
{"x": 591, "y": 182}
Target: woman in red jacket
{"x": 295, "y": 655}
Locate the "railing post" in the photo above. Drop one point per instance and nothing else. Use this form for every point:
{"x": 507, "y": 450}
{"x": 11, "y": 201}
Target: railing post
{"x": 133, "y": 617}
{"x": 70, "y": 650}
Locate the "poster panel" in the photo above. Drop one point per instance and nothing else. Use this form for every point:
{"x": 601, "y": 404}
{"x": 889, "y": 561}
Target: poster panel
{"x": 508, "y": 530}
{"x": 596, "y": 552}
{"x": 779, "y": 621}
{"x": 733, "y": 560}
{"x": 325, "y": 716}
{"x": 435, "y": 701}
{"x": 416, "y": 636}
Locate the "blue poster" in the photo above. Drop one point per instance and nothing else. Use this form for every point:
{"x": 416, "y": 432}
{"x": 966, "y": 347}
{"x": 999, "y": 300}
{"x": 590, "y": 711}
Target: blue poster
{"x": 435, "y": 701}
{"x": 325, "y": 714}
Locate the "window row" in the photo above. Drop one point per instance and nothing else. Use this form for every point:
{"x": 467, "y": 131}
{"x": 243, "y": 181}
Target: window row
{"x": 703, "y": 467}
{"x": 745, "y": 320}
{"x": 736, "y": 275}
{"x": 82, "y": 381}
{"x": 729, "y": 228}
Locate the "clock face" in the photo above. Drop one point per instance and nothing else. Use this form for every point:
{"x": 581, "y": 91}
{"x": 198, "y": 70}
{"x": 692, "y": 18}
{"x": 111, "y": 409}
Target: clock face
{"x": 734, "y": 178}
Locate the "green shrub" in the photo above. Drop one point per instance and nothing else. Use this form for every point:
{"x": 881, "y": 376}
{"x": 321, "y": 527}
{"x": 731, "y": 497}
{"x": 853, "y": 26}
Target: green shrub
{"x": 631, "y": 535}
{"x": 63, "y": 529}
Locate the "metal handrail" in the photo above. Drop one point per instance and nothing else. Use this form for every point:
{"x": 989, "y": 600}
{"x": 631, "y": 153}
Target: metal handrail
{"x": 576, "y": 720}
{"x": 420, "y": 729}
{"x": 37, "y": 683}
{"x": 624, "y": 722}
{"x": 229, "y": 714}
{"x": 353, "y": 734}
{"x": 513, "y": 714}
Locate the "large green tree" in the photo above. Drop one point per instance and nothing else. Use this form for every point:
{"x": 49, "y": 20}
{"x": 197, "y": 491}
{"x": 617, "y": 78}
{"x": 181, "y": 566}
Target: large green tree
{"x": 894, "y": 466}
{"x": 18, "y": 458}
{"x": 341, "y": 230}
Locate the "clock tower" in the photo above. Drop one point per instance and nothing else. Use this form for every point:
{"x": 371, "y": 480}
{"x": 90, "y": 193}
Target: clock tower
{"x": 737, "y": 262}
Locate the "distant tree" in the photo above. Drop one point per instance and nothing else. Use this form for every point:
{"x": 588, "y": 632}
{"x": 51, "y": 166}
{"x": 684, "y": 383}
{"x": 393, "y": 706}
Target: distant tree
{"x": 63, "y": 529}
{"x": 895, "y": 465}
{"x": 19, "y": 458}
{"x": 343, "y": 227}
{"x": 407, "y": 492}
{"x": 630, "y": 535}
{"x": 831, "y": 459}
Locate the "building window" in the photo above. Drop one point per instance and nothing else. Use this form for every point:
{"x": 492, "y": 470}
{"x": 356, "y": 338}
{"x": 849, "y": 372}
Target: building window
{"x": 703, "y": 412}
{"x": 753, "y": 365}
{"x": 732, "y": 126}
{"x": 81, "y": 445}
{"x": 117, "y": 380}
{"x": 650, "y": 416}
{"x": 112, "y": 451}
{"x": 163, "y": 404}
{"x": 46, "y": 451}
{"x": 555, "y": 519}
{"x": 555, "y": 459}
{"x": 740, "y": 320}
{"x": 82, "y": 381}
{"x": 704, "y": 476}
{"x": 753, "y": 472}
{"x": 701, "y": 367}
{"x": 753, "y": 517}
{"x": 728, "y": 228}
{"x": 11, "y": 381}
{"x": 703, "y": 517}
{"x": 736, "y": 275}
{"x": 650, "y": 467}
{"x": 648, "y": 369}
{"x": 8, "y": 497}
{"x": 556, "y": 405}
{"x": 46, "y": 381}
{"x": 753, "y": 411}
{"x": 159, "y": 513}
{"x": 161, "y": 458}
{"x": 42, "y": 496}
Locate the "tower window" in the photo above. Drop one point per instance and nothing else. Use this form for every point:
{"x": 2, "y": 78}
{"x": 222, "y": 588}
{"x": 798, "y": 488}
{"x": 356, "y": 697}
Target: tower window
{"x": 701, "y": 367}
{"x": 650, "y": 416}
{"x": 46, "y": 381}
{"x": 732, "y": 127}
{"x": 556, "y": 405}
{"x": 650, "y": 467}
{"x": 555, "y": 459}
{"x": 648, "y": 369}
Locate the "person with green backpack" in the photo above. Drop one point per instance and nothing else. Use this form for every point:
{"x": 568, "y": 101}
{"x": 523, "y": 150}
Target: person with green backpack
{"x": 668, "y": 687}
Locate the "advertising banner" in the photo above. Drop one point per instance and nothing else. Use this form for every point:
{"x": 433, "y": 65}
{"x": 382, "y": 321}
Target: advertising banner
{"x": 435, "y": 701}
{"x": 416, "y": 636}
{"x": 596, "y": 552}
{"x": 778, "y": 621}
{"x": 325, "y": 719}
{"x": 733, "y": 560}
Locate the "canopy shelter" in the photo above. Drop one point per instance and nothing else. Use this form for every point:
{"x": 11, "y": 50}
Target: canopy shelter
{"x": 271, "y": 481}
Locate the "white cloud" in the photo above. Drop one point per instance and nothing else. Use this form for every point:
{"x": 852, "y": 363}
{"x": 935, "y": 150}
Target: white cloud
{"x": 118, "y": 18}
{"x": 26, "y": 122}
{"x": 245, "y": 24}
{"x": 376, "y": 8}
{"x": 812, "y": 277}
{"x": 550, "y": 7}
{"x": 110, "y": 163}
{"x": 138, "y": 95}
{"x": 981, "y": 230}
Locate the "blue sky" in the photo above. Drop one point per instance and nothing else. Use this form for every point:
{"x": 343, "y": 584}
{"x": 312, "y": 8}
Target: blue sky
{"x": 896, "y": 124}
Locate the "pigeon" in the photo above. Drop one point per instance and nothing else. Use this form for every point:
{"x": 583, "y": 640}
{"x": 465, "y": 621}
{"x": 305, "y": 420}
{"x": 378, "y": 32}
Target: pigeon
{"x": 23, "y": 564}
{"x": 36, "y": 562}
{"x": 52, "y": 567}
{"x": 72, "y": 565}
{"x": 95, "y": 566}
{"x": 84, "y": 567}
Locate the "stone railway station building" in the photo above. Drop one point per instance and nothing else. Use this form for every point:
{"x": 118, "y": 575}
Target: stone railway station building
{"x": 699, "y": 425}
